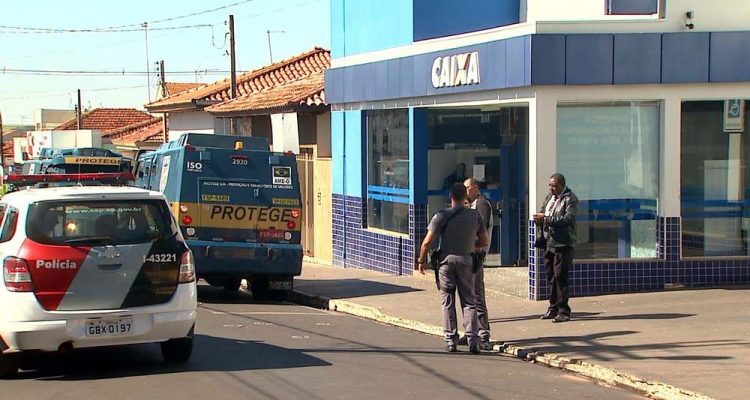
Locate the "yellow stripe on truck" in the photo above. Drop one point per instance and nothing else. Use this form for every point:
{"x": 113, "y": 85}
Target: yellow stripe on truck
{"x": 242, "y": 216}
{"x": 92, "y": 160}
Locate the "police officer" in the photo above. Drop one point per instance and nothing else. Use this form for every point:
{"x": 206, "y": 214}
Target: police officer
{"x": 461, "y": 231}
{"x": 479, "y": 202}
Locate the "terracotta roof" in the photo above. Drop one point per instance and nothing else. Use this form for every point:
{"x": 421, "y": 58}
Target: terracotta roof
{"x": 293, "y": 69}
{"x": 306, "y": 92}
{"x": 8, "y": 149}
{"x": 106, "y": 119}
{"x": 149, "y": 131}
{"x": 177, "y": 87}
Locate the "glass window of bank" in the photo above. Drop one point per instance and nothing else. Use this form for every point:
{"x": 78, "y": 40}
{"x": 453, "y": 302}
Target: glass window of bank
{"x": 609, "y": 154}
{"x": 488, "y": 144}
{"x": 715, "y": 183}
{"x": 388, "y": 170}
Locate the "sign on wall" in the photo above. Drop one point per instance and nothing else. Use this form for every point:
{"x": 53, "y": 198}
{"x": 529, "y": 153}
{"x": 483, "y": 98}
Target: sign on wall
{"x": 734, "y": 115}
{"x": 455, "y": 70}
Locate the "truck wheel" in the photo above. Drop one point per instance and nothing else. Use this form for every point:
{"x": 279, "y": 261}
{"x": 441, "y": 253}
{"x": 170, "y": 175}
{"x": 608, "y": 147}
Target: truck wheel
{"x": 9, "y": 364}
{"x": 259, "y": 287}
{"x": 177, "y": 351}
{"x": 232, "y": 284}
{"x": 214, "y": 281}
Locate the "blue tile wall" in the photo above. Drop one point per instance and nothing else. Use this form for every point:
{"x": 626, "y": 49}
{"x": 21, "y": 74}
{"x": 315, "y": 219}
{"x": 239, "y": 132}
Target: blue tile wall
{"x": 605, "y": 277}
{"x": 356, "y": 247}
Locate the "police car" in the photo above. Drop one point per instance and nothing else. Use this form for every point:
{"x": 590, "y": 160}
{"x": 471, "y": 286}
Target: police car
{"x": 89, "y": 266}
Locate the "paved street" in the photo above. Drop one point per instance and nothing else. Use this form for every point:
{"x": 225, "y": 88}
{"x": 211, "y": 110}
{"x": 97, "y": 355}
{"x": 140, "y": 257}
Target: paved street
{"x": 284, "y": 351}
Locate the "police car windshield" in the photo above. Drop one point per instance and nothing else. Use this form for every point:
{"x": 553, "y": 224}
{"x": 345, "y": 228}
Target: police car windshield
{"x": 99, "y": 222}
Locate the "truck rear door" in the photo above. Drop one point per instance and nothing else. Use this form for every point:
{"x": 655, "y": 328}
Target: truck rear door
{"x": 246, "y": 196}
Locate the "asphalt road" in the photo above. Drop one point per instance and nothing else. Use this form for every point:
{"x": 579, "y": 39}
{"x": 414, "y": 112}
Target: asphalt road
{"x": 284, "y": 351}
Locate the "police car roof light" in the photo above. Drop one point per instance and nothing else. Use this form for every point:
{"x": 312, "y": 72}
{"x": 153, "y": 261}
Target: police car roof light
{"x": 103, "y": 177}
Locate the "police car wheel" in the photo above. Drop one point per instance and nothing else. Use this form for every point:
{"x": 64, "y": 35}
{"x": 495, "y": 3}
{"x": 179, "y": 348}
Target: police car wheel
{"x": 9, "y": 364}
{"x": 178, "y": 350}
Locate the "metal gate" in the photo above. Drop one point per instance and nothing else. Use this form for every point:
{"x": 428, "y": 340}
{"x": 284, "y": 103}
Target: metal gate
{"x": 306, "y": 172}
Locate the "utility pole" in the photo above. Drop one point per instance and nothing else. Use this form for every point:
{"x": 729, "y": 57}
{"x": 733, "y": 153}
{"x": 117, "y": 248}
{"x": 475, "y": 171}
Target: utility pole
{"x": 148, "y": 64}
{"x": 2, "y": 156}
{"x": 233, "y": 72}
{"x": 270, "y": 53}
{"x": 163, "y": 79}
{"x": 79, "y": 113}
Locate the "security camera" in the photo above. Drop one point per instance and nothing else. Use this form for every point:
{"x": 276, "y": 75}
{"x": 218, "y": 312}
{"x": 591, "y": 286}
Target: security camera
{"x": 689, "y": 20}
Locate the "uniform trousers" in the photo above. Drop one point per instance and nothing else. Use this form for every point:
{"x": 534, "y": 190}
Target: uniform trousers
{"x": 456, "y": 275}
{"x": 481, "y": 302}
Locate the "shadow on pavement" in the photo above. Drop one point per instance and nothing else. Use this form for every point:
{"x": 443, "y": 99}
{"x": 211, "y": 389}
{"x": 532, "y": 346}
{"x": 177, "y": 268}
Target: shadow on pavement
{"x": 595, "y": 316}
{"x": 593, "y": 347}
{"x": 349, "y": 288}
{"x": 210, "y": 354}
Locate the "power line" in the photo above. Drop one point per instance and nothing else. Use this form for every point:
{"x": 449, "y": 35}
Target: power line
{"x": 16, "y": 71}
{"x": 45, "y": 31}
{"x": 37, "y": 95}
{"x": 119, "y": 28}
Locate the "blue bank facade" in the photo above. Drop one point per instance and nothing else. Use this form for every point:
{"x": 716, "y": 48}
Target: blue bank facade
{"x": 647, "y": 124}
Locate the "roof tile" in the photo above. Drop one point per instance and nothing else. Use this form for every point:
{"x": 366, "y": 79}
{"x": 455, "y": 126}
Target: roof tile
{"x": 150, "y": 131}
{"x": 290, "y": 70}
{"x": 106, "y": 119}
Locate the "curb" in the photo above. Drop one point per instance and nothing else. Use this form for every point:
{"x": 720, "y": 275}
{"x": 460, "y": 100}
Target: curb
{"x": 652, "y": 389}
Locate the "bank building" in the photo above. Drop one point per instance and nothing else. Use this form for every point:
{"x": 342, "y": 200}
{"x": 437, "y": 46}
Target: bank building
{"x": 641, "y": 104}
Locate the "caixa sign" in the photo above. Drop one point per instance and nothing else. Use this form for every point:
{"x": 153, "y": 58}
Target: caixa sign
{"x": 455, "y": 70}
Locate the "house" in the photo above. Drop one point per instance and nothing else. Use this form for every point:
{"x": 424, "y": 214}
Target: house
{"x": 140, "y": 136}
{"x": 187, "y": 112}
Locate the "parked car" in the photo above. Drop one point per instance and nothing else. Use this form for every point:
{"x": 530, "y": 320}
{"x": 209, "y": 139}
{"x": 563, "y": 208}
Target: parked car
{"x": 89, "y": 266}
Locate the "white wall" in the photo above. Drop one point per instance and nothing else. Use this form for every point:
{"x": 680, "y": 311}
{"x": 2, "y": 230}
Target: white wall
{"x": 578, "y": 16}
{"x": 19, "y": 147}
{"x": 36, "y": 140}
{"x": 543, "y": 113}
{"x": 189, "y": 121}
{"x": 45, "y": 118}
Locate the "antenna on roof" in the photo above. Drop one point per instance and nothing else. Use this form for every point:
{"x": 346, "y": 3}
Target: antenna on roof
{"x": 270, "y": 53}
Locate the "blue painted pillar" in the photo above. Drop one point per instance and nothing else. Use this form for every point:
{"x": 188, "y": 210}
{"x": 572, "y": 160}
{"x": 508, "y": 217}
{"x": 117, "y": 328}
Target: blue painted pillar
{"x": 418, "y": 156}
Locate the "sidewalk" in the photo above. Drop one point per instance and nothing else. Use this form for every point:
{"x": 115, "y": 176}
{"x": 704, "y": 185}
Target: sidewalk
{"x": 669, "y": 345}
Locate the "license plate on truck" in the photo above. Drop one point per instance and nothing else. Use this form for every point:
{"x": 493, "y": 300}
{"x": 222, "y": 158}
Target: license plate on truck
{"x": 109, "y": 327}
{"x": 233, "y": 253}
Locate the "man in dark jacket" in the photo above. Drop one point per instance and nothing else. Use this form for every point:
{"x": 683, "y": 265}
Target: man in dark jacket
{"x": 557, "y": 221}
